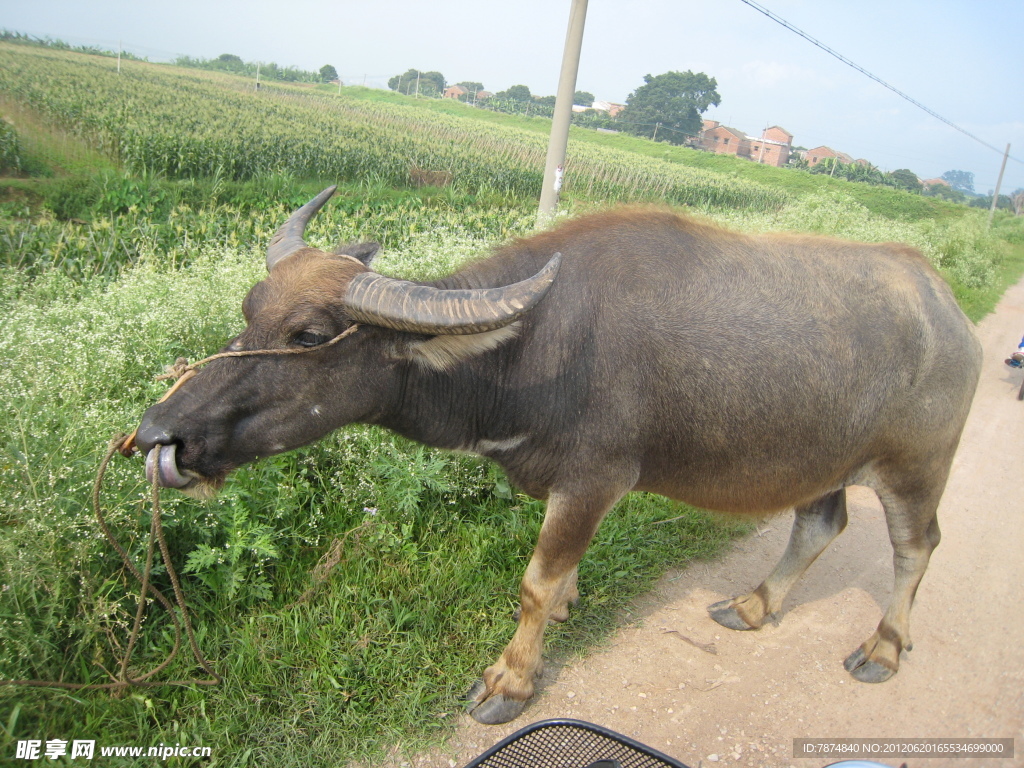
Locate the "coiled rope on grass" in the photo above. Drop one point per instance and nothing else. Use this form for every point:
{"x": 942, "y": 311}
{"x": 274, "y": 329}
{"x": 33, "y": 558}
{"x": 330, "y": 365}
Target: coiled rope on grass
{"x": 156, "y": 537}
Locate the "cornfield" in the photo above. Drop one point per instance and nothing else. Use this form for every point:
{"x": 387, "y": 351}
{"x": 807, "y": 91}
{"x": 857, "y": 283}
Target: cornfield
{"x": 10, "y": 150}
{"x": 189, "y": 124}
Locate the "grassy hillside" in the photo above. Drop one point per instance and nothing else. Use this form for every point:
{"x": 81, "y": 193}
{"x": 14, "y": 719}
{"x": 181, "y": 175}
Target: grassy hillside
{"x": 884, "y": 201}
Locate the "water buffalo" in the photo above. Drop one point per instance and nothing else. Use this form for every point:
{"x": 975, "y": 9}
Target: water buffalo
{"x": 632, "y": 349}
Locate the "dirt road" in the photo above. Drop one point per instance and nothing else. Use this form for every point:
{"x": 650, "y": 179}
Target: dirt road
{"x": 744, "y": 704}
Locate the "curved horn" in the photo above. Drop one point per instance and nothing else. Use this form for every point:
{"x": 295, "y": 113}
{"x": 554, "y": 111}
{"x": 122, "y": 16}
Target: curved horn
{"x": 288, "y": 239}
{"x": 402, "y": 306}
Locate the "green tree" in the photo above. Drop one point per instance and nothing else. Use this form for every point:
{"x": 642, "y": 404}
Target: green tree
{"x": 413, "y": 82}
{"x": 231, "y": 62}
{"x": 1017, "y": 201}
{"x": 515, "y": 93}
{"x": 328, "y": 73}
{"x": 432, "y": 84}
{"x": 985, "y": 201}
{"x": 946, "y": 193}
{"x": 830, "y": 166}
{"x": 960, "y": 180}
{"x": 674, "y": 101}
{"x": 904, "y": 178}
{"x": 583, "y": 98}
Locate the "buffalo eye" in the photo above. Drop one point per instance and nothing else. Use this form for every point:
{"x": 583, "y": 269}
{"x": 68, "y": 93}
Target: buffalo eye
{"x": 310, "y": 339}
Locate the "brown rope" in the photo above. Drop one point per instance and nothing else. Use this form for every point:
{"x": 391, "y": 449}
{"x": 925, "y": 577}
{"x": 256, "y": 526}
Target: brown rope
{"x": 327, "y": 563}
{"x": 182, "y": 366}
{"x": 182, "y": 371}
{"x": 156, "y": 535}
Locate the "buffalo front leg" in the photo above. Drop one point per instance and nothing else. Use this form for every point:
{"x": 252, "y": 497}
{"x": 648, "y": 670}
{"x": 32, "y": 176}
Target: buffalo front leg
{"x": 814, "y": 527}
{"x": 548, "y": 587}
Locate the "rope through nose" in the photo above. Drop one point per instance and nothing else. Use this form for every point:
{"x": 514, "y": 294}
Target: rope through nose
{"x": 183, "y": 370}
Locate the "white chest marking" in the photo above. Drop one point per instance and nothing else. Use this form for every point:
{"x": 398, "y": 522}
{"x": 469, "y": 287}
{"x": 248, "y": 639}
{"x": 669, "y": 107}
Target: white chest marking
{"x": 487, "y": 447}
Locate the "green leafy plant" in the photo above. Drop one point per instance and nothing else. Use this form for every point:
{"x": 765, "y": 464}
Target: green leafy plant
{"x": 10, "y": 148}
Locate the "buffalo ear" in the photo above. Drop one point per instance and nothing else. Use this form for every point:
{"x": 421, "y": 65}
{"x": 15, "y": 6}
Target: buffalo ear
{"x": 442, "y": 353}
{"x": 364, "y": 252}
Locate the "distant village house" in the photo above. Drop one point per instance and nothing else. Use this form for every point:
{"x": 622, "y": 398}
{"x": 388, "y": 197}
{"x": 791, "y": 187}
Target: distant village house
{"x": 772, "y": 148}
{"x": 820, "y": 154}
{"x": 458, "y": 92}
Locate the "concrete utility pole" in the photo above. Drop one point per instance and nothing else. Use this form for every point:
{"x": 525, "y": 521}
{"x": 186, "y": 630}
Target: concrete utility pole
{"x": 999, "y": 183}
{"x": 563, "y": 114}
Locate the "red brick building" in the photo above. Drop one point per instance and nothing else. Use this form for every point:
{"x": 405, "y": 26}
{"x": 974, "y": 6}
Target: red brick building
{"x": 773, "y": 148}
{"x": 816, "y": 155}
{"x": 721, "y": 139}
{"x": 458, "y": 92}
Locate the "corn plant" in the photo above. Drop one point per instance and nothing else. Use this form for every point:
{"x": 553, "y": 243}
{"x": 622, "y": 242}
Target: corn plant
{"x": 187, "y": 123}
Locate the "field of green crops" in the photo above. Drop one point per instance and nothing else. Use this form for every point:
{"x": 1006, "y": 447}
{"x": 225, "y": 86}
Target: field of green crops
{"x": 133, "y": 217}
{"x": 187, "y": 124}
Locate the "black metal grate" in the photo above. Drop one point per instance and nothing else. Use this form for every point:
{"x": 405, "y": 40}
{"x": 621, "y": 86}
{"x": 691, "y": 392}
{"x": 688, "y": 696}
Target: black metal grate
{"x": 571, "y": 744}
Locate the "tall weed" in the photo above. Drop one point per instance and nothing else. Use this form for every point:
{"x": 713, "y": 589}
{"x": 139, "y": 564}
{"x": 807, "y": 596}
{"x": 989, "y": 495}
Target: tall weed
{"x": 961, "y": 248}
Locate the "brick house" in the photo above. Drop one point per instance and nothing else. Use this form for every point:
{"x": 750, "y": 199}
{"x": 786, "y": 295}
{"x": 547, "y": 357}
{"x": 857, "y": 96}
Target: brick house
{"x": 722, "y": 140}
{"x": 816, "y": 155}
{"x": 773, "y": 148}
{"x": 458, "y": 92}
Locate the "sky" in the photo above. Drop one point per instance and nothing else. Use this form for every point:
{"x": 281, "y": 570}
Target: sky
{"x": 962, "y": 59}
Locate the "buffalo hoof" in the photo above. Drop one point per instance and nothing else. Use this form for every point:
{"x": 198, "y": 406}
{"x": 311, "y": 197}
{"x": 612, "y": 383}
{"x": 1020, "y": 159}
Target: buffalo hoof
{"x": 495, "y": 710}
{"x": 725, "y": 614}
{"x": 864, "y": 669}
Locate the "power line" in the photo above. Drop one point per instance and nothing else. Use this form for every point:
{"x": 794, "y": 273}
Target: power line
{"x": 863, "y": 71}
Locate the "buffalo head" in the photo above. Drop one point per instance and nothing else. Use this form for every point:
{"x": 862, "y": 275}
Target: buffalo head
{"x": 239, "y": 409}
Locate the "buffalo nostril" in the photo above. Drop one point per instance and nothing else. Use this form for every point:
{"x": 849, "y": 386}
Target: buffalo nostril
{"x": 150, "y": 434}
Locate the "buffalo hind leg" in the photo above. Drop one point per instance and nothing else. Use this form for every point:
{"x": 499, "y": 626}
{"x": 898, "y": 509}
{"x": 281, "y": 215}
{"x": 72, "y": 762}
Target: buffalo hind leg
{"x": 914, "y": 533}
{"x": 547, "y": 589}
{"x": 814, "y": 527}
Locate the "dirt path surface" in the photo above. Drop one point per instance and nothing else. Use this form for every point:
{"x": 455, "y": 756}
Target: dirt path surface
{"x": 743, "y": 697}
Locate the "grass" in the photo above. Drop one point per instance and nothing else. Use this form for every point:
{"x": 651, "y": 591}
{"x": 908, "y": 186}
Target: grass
{"x": 108, "y": 275}
{"x": 1008, "y": 266}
